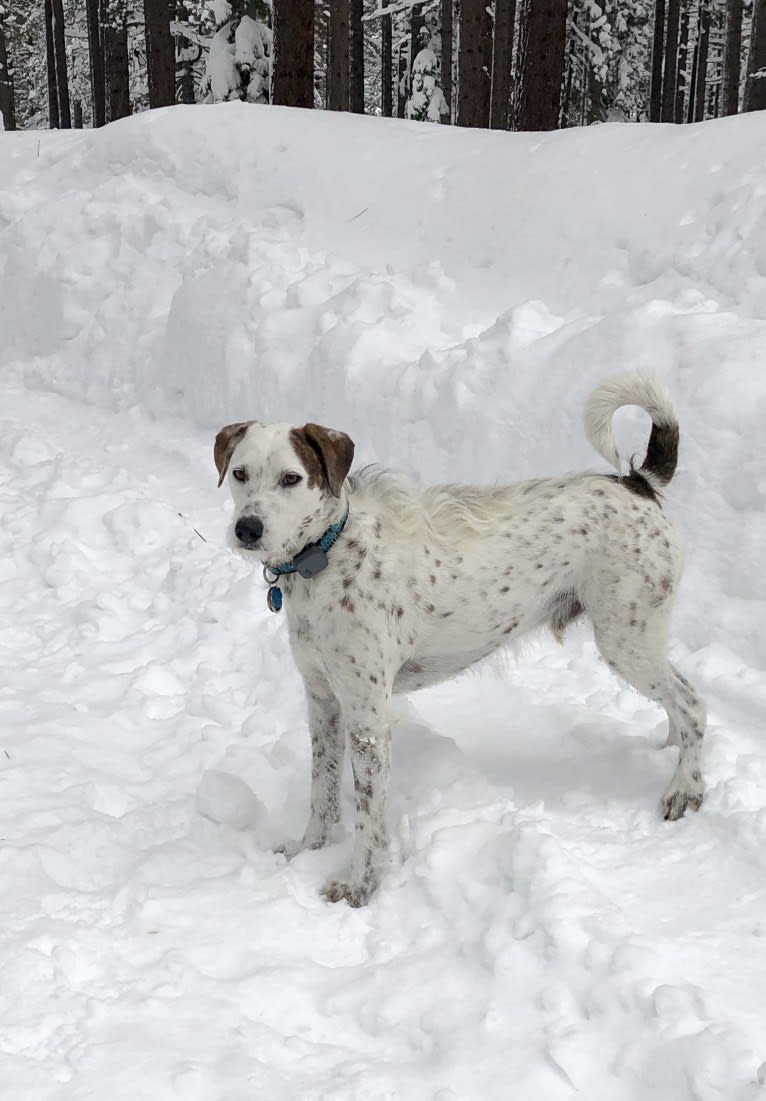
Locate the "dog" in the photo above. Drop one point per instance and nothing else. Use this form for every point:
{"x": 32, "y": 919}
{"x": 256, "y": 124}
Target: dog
{"x": 389, "y": 587}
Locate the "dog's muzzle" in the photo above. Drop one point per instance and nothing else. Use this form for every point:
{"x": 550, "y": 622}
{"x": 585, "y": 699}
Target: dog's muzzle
{"x": 249, "y": 531}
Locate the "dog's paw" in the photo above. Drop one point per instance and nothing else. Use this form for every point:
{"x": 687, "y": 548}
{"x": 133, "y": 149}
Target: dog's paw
{"x": 355, "y": 894}
{"x": 676, "y": 802}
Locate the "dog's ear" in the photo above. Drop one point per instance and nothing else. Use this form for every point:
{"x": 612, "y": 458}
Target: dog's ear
{"x": 326, "y": 454}
{"x": 225, "y": 442}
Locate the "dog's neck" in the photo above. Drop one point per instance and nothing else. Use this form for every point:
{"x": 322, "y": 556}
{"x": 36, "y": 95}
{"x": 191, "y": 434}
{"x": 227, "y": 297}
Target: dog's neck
{"x": 309, "y": 561}
{"x": 322, "y": 545}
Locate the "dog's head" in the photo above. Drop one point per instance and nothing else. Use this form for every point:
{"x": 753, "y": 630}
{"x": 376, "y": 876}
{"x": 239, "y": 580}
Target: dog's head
{"x": 286, "y": 484}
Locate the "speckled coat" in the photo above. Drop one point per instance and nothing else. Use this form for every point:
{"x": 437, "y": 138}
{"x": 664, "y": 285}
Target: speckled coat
{"x": 423, "y": 583}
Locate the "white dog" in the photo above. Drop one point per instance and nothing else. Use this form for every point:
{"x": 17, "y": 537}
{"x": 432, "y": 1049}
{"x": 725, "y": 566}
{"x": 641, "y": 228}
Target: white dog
{"x": 389, "y": 588}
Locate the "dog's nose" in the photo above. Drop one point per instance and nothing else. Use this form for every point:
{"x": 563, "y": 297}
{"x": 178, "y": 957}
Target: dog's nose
{"x": 249, "y": 530}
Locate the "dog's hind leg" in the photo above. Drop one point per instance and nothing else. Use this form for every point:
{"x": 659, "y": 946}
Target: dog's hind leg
{"x": 632, "y": 637}
{"x": 683, "y": 688}
{"x": 686, "y": 730}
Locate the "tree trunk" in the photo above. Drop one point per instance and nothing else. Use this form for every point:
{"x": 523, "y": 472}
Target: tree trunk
{"x": 567, "y": 93}
{"x": 356, "y": 94}
{"x": 595, "y": 98}
{"x": 540, "y": 64}
{"x": 703, "y": 40}
{"x": 185, "y": 62}
{"x": 54, "y": 121}
{"x": 293, "y": 80}
{"x": 755, "y": 86}
{"x": 682, "y": 66}
{"x": 62, "y": 79}
{"x": 691, "y": 106}
{"x": 668, "y": 110}
{"x": 502, "y": 59}
{"x": 96, "y": 49}
{"x": 658, "y": 42}
{"x": 338, "y": 91}
{"x": 474, "y": 63}
{"x": 446, "y": 58}
{"x": 186, "y": 76}
{"x": 7, "y": 94}
{"x": 116, "y": 71}
{"x": 402, "y": 70}
{"x": 715, "y": 107}
{"x": 160, "y": 52}
{"x": 77, "y": 114}
{"x": 386, "y": 71}
{"x": 731, "y": 56}
{"x": 417, "y": 20}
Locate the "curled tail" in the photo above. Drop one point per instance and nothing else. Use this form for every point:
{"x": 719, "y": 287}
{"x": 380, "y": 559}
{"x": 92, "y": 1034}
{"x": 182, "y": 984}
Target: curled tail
{"x": 649, "y": 394}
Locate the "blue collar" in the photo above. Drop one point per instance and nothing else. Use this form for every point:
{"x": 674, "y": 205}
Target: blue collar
{"x": 307, "y": 563}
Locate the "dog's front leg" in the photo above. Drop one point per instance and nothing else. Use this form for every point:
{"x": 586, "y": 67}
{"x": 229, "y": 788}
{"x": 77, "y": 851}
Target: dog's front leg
{"x": 327, "y": 746}
{"x": 370, "y": 749}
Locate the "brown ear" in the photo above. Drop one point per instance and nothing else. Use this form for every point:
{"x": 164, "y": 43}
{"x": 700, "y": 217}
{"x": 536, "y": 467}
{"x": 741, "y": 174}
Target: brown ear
{"x": 326, "y": 454}
{"x": 225, "y": 442}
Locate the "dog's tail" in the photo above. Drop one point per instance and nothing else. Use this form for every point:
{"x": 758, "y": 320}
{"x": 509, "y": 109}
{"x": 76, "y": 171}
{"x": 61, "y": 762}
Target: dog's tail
{"x": 650, "y": 394}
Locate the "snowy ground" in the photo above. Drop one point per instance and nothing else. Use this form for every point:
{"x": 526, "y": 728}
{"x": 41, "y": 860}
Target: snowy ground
{"x": 449, "y": 299}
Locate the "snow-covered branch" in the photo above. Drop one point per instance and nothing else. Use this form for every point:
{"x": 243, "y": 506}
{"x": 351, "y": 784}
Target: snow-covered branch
{"x": 398, "y": 8}
{"x": 183, "y": 30}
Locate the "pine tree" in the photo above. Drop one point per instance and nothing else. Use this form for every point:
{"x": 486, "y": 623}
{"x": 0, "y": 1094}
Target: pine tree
{"x": 294, "y": 53}
{"x": 114, "y": 22}
{"x": 54, "y": 119}
{"x": 386, "y": 71}
{"x": 338, "y": 92}
{"x": 356, "y": 29}
{"x": 540, "y": 66}
{"x": 502, "y": 59}
{"x": 474, "y": 63}
{"x": 446, "y": 53}
{"x": 238, "y": 63}
{"x": 426, "y": 102}
{"x": 7, "y": 92}
{"x": 188, "y": 54}
{"x": 731, "y": 61}
{"x": 160, "y": 52}
{"x": 26, "y": 49}
{"x": 658, "y": 47}
{"x": 682, "y": 63}
{"x": 755, "y": 86}
{"x": 670, "y": 62}
{"x": 620, "y": 32}
{"x": 701, "y": 56}
{"x": 62, "y": 76}
{"x": 96, "y": 51}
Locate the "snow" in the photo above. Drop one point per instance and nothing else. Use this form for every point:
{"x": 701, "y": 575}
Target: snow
{"x": 426, "y": 102}
{"x": 238, "y": 64}
{"x": 221, "y": 73}
{"x": 449, "y": 299}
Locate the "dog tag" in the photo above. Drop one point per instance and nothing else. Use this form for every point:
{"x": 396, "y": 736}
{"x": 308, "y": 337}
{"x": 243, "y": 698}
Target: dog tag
{"x": 310, "y": 561}
{"x": 274, "y": 599}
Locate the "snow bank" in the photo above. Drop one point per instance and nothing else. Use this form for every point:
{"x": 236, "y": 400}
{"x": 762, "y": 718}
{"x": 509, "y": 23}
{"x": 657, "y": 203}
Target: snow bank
{"x": 449, "y": 298}
{"x": 222, "y": 262}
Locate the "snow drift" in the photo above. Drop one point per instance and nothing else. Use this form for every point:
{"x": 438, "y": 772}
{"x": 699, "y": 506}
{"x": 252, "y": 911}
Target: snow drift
{"x": 449, "y": 299}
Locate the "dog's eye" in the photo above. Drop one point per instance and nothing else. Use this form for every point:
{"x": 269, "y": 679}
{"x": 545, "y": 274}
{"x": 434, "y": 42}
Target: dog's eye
{"x": 290, "y": 479}
{"x": 240, "y": 474}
